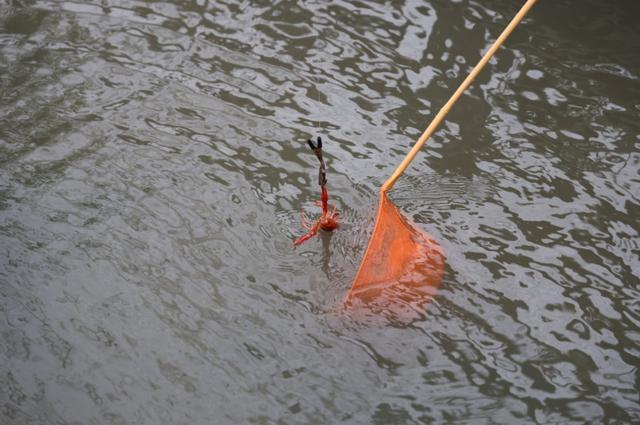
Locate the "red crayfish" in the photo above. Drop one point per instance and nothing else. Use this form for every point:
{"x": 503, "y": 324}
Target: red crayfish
{"x": 328, "y": 221}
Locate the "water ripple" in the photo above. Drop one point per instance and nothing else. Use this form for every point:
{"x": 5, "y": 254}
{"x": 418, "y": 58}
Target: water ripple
{"x": 153, "y": 170}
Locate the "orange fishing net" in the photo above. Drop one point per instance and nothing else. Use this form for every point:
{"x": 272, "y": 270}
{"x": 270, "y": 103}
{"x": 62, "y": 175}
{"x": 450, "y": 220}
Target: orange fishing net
{"x": 403, "y": 265}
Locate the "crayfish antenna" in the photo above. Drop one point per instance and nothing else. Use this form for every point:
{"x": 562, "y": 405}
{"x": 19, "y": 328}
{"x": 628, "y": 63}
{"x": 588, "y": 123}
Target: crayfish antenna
{"x": 305, "y": 220}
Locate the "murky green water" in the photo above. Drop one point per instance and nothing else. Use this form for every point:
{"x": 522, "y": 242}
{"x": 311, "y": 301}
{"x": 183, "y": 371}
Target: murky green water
{"x": 152, "y": 171}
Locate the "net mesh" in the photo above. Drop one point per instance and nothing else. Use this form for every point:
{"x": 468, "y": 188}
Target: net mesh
{"x": 402, "y": 265}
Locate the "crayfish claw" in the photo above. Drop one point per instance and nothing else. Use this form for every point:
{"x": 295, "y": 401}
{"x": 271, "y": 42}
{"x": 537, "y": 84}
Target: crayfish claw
{"x": 311, "y": 145}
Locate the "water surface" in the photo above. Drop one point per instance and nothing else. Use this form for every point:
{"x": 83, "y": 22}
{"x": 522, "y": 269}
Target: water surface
{"x": 153, "y": 169}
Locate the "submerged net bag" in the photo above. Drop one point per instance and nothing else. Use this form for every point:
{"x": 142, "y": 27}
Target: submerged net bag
{"x": 403, "y": 265}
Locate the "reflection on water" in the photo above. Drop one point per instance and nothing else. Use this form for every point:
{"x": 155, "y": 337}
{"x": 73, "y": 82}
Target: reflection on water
{"x": 152, "y": 171}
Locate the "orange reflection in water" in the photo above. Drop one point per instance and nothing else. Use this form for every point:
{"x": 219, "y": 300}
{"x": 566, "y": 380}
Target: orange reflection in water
{"x": 401, "y": 269}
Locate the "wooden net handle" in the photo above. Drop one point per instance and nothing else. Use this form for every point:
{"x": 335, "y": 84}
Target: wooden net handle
{"x": 465, "y": 84}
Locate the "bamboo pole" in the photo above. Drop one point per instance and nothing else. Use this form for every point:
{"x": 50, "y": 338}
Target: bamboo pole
{"x": 447, "y": 107}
